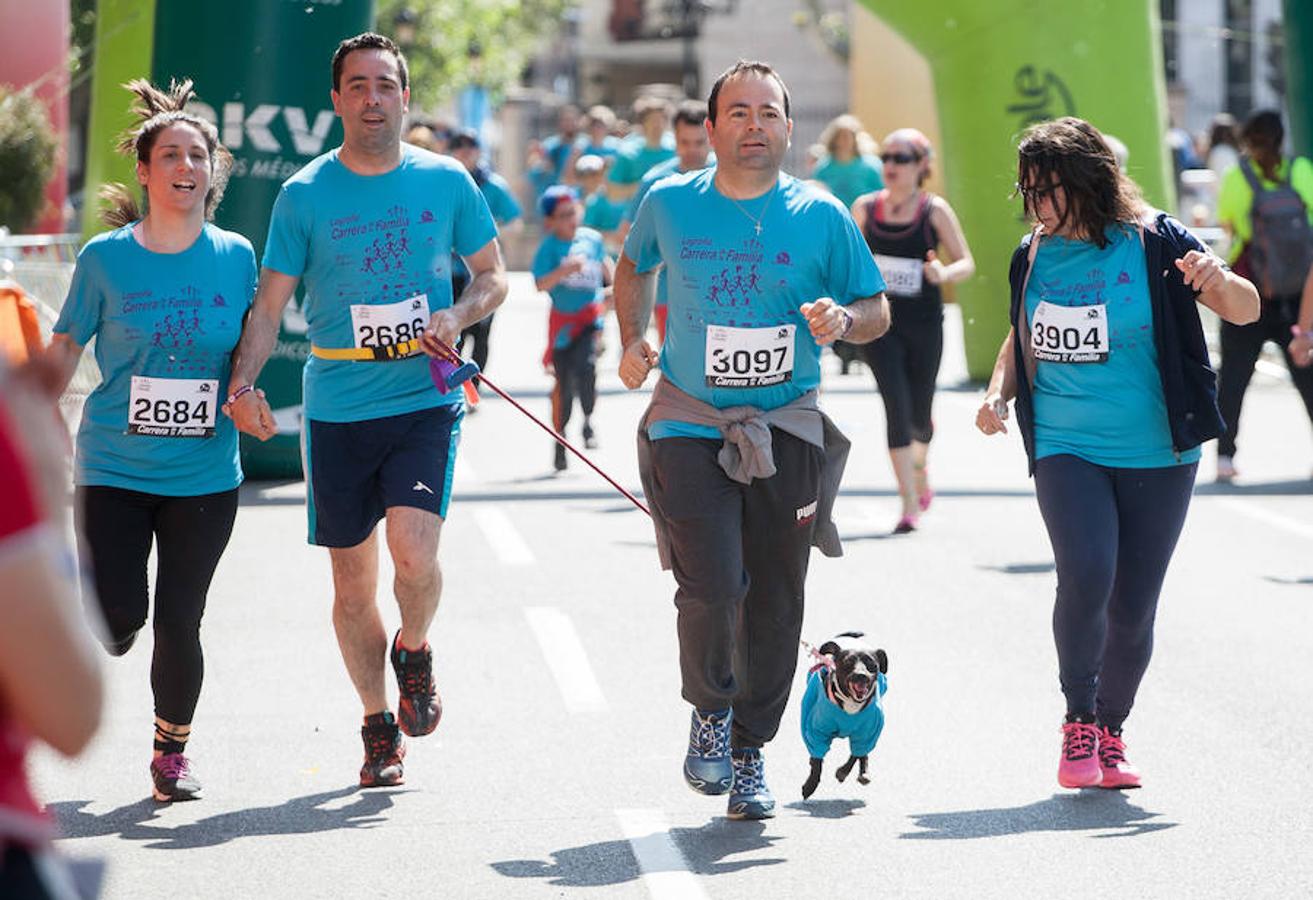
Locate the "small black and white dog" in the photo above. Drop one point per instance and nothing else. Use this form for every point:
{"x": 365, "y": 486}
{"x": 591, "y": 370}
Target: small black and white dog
{"x": 843, "y": 701}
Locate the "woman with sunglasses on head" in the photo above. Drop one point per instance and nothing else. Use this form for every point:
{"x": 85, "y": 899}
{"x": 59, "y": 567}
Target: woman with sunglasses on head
{"x": 164, "y": 293}
{"x": 904, "y": 227}
{"x": 1114, "y": 394}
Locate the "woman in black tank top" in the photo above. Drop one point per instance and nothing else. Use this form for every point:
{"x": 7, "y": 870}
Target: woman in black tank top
{"x": 904, "y": 226}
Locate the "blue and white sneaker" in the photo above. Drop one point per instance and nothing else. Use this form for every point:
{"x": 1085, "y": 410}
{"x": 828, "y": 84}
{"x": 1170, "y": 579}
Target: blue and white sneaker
{"x": 750, "y": 798}
{"x": 706, "y": 767}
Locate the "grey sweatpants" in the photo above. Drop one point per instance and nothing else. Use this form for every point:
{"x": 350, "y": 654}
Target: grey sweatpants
{"x": 739, "y": 556}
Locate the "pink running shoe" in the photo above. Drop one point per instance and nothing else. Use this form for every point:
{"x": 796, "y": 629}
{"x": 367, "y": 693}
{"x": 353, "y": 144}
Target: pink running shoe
{"x": 1117, "y": 772}
{"x": 925, "y": 498}
{"x": 1079, "y": 766}
{"x": 906, "y": 525}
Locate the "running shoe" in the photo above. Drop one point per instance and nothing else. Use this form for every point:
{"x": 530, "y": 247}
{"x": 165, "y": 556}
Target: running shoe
{"x": 590, "y": 439}
{"x": 750, "y": 798}
{"x": 707, "y": 767}
{"x": 1079, "y": 766}
{"x": 1117, "y": 772}
{"x": 925, "y": 498}
{"x": 906, "y": 525}
{"x": 558, "y": 460}
{"x": 1226, "y": 470}
{"x": 420, "y": 707}
{"x": 173, "y": 778}
{"x": 384, "y": 750}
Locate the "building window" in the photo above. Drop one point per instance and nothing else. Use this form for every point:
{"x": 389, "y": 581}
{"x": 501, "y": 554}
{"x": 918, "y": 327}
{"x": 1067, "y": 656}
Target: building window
{"x": 1171, "y": 41}
{"x": 1239, "y": 49}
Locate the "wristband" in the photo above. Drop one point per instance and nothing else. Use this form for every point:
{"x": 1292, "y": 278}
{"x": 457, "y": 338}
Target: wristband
{"x": 244, "y": 389}
{"x": 847, "y": 323}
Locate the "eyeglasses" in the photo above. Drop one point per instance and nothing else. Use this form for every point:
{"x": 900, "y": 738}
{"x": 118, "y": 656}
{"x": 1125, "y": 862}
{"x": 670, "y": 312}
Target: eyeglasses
{"x": 903, "y": 159}
{"x": 1033, "y": 195}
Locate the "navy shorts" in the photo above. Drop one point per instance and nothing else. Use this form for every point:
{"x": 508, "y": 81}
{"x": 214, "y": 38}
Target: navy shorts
{"x": 355, "y": 471}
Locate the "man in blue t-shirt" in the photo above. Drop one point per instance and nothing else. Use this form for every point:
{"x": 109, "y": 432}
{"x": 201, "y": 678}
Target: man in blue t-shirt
{"x": 738, "y": 463}
{"x": 692, "y": 152}
{"x": 572, "y": 266}
{"x": 467, "y": 149}
{"x": 651, "y": 144}
{"x": 369, "y": 228}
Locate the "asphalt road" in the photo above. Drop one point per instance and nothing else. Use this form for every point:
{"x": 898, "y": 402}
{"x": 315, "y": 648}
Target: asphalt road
{"x": 555, "y": 771}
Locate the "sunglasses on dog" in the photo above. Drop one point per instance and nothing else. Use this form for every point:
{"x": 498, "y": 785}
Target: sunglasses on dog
{"x": 903, "y": 159}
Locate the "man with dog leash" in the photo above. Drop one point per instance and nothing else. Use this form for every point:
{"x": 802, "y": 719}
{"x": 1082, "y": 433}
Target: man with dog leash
{"x": 739, "y": 465}
{"x": 371, "y": 228}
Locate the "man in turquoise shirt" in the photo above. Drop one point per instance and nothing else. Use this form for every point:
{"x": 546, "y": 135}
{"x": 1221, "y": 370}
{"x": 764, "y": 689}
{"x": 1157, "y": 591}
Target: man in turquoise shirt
{"x": 370, "y": 228}
{"x": 738, "y": 461}
{"x": 653, "y": 144}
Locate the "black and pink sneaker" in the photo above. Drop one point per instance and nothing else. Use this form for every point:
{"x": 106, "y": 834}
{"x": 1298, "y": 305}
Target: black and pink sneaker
{"x": 384, "y": 751}
{"x": 1079, "y": 765}
{"x": 1118, "y": 774}
{"x": 173, "y": 779}
{"x": 420, "y": 707}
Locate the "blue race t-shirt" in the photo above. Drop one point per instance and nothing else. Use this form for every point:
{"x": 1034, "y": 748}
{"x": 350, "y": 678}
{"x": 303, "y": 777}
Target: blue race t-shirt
{"x": 609, "y": 147}
{"x": 636, "y": 158}
{"x": 581, "y": 288}
{"x": 1110, "y": 412}
{"x": 360, "y": 241}
{"x": 602, "y": 213}
{"x": 501, "y": 201}
{"x": 655, "y": 174}
{"x": 735, "y": 334}
{"x": 849, "y": 180}
{"x": 165, "y": 326}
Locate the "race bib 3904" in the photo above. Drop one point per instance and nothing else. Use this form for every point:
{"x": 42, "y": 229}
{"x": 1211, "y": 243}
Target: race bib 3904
{"x": 749, "y": 357}
{"x": 173, "y": 407}
{"x": 1070, "y": 334}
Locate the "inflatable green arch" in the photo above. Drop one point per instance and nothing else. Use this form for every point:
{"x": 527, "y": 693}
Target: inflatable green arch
{"x": 1003, "y": 65}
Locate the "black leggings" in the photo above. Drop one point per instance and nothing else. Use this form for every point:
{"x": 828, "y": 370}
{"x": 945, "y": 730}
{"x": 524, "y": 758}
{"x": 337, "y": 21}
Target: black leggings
{"x": 906, "y": 363}
{"x": 1241, "y": 345}
{"x": 1113, "y": 532}
{"x": 116, "y": 528}
{"x": 576, "y": 376}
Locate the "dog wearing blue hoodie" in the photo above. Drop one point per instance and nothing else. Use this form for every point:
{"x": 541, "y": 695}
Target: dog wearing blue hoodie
{"x": 843, "y": 701}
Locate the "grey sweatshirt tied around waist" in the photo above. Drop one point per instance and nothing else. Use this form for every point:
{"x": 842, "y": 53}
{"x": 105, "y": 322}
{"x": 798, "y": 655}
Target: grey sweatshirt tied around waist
{"x": 746, "y": 453}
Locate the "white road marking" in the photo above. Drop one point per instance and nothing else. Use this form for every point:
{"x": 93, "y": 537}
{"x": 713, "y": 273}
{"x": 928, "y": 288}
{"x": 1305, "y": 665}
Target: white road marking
{"x": 1254, "y": 511}
{"x": 501, "y": 534}
{"x": 566, "y": 659}
{"x": 665, "y": 871}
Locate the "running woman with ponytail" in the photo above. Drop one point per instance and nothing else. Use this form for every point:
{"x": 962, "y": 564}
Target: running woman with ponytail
{"x": 904, "y": 226}
{"x": 164, "y": 293}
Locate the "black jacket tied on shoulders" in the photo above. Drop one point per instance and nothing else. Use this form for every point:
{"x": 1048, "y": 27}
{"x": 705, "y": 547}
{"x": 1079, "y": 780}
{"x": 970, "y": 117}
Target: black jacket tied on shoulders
{"x": 1189, "y": 383}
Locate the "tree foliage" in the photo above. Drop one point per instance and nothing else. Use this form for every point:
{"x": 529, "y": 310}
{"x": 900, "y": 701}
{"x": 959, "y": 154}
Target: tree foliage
{"x": 27, "y": 158}
{"x": 459, "y": 43}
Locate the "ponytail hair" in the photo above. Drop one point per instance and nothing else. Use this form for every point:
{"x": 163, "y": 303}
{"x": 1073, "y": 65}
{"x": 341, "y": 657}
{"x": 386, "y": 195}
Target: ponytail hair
{"x": 155, "y": 110}
{"x": 118, "y": 206}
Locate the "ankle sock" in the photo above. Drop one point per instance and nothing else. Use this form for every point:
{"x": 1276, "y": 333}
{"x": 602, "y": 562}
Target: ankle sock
{"x": 1083, "y": 718}
{"x": 383, "y": 718}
